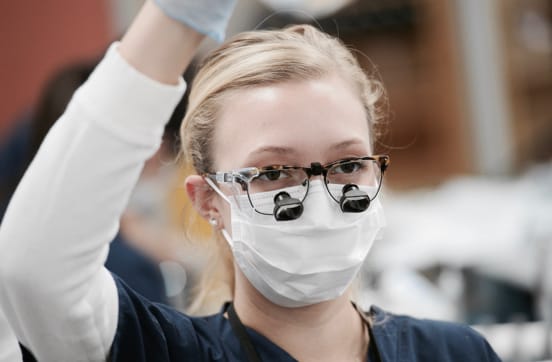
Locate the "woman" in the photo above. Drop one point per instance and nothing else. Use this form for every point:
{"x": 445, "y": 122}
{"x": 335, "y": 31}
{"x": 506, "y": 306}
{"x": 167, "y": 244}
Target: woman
{"x": 280, "y": 131}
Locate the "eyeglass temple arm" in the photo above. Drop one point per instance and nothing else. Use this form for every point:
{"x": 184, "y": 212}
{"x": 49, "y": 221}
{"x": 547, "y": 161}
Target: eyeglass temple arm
{"x": 220, "y": 176}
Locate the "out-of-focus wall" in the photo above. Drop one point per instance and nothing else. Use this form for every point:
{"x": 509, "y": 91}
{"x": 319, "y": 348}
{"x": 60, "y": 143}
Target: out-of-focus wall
{"x": 412, "y": 44}
{"x": 38, "y": 37}
{"x": 527, "y": 51}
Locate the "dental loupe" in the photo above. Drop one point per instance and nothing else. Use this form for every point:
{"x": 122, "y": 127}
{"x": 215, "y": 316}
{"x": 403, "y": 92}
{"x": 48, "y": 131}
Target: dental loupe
{"x": 353, "y": 199}
{"x": 288, "y": 208}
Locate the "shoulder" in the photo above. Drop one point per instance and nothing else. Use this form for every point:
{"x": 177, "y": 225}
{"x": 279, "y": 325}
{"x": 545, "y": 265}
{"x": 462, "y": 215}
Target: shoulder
{"x": 425, "y": 339}
{"x": 149, "y": 331}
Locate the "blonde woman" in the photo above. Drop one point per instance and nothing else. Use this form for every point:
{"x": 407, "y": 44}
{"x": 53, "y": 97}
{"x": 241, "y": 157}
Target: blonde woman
{"x": 279, "y": 130}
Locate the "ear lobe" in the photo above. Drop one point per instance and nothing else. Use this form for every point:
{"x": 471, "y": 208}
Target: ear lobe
{"x": 201, "y": 196}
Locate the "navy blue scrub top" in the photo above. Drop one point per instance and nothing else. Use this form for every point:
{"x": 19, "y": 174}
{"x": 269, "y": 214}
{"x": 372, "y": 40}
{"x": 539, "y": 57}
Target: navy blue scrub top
{"x": 154, "y": 332}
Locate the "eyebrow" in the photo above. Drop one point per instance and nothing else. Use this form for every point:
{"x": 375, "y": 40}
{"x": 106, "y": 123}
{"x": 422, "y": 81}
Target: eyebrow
{"x": 279, "y": 150}
{"x": 348, "y": 143}
{"x": 274, "y": 149}
{"x": 292, "y": 152}
{"x": 269, "y": 150}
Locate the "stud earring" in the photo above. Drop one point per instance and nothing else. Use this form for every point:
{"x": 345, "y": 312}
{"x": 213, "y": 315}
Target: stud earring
{"x": 213, "y": 222}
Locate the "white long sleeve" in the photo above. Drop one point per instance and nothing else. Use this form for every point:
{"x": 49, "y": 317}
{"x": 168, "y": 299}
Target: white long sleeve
{"x": 60, "y": 300}
{"x": 9, "y": 348}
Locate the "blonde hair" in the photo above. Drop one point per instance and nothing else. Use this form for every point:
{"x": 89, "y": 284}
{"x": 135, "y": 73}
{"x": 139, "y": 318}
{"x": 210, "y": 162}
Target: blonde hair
{"x": 252, "y": 59}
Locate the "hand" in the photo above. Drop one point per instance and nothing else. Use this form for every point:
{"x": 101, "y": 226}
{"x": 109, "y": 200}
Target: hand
{"x": 208, "y": 17}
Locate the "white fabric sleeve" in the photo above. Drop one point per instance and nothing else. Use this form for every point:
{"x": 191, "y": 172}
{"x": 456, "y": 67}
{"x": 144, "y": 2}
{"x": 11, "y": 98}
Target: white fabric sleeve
{"x": 60, "y": 300}
{"x": 9, "y": 348}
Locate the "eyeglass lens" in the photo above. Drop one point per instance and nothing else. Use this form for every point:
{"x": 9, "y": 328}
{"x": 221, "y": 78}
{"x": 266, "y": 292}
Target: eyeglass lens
{"x": 264, "y": 187}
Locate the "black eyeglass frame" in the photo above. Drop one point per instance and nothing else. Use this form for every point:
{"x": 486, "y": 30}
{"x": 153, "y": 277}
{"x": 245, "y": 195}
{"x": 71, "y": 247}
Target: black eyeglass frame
{"x": 245, "y": 175}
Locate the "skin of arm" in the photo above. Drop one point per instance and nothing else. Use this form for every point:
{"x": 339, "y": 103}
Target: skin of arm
{"x": 54, "y": 290}
{"x": 158, "y": 46}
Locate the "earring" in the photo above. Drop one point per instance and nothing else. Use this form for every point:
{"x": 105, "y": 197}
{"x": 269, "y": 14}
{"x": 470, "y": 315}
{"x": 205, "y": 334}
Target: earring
{"x": 213, "y": 222}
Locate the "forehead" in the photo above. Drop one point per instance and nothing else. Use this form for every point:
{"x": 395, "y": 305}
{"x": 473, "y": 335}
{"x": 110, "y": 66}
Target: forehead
{"x": 293, "y": 123}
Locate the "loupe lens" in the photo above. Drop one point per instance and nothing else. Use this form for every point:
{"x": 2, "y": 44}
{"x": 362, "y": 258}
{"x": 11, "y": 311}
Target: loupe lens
{"x": 287, "y": 207}
{"x": 354, "y": 199}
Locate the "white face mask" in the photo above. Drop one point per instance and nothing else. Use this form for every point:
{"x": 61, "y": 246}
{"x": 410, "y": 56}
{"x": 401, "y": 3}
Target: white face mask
{"x": 304, "y": 261}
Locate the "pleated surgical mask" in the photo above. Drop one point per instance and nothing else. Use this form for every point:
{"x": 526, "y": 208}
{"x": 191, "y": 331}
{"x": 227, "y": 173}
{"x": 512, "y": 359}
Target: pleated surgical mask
{"x": 304, "y": 261}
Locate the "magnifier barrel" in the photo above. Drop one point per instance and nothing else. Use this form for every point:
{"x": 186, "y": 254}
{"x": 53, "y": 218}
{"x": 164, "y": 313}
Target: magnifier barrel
{"x": 353, "y": 199}
{"x": 287, "y": 207}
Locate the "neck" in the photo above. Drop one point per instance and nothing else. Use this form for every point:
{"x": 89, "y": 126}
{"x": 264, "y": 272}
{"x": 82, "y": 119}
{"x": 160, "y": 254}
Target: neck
{"x": 327, "y": 331}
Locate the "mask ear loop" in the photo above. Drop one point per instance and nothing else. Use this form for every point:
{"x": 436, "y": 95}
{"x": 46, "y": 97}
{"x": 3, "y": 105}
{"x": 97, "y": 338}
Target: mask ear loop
{"x": 216, "y": 189}
{"x": 225, "y": 233}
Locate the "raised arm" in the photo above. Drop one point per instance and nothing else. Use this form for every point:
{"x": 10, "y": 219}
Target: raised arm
{"x": 60, "y": 300}
{"x": 158, "y": 46}
{"x": 9, "y": 349}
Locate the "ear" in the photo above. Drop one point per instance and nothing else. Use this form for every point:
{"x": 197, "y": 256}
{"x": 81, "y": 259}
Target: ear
{"x": 201, "y": 196}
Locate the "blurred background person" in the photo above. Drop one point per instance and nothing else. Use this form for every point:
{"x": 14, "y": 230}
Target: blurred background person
{"x": 143, "y": 249}
{"x": 143, "y": 242}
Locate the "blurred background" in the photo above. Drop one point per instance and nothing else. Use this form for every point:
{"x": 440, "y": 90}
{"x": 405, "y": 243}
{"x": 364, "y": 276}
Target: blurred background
{"x": 468, "y": 196}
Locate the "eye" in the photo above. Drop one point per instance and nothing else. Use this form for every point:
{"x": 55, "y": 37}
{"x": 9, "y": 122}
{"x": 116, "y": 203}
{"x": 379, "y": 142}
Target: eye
{"x": 348, "y": 167}
{"x": 273, "y": 175}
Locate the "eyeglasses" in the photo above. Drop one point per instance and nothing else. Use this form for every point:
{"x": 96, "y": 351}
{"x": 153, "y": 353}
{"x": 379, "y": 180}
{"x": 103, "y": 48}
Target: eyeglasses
{"x": 269, "y": 182}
